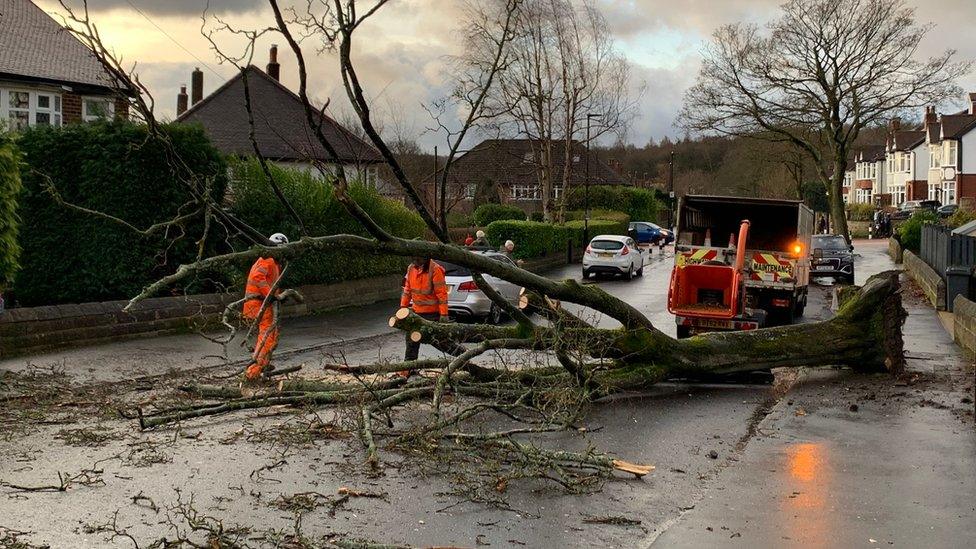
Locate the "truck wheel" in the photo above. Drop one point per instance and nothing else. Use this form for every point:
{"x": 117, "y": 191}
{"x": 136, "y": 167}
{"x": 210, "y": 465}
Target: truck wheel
{"x": 684, "y": 332}
{"x": 799, "y": 308}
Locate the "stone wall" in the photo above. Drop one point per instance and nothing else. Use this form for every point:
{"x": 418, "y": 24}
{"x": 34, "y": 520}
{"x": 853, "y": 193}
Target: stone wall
{"x": 927, "y": 279}
{"x": 894, "y": 250}
{"x": 964, "y": 324}
{"x": 33, "y": 329}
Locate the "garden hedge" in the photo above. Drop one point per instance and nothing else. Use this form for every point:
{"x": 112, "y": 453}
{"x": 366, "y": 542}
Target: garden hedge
{"x": 860, "y": 212}
{"x": 535, "y": 239}
{"x": 112, "y": 167}
{"x": 322, "y": 214}
{"x": 639, "y": 204}
{"x": 9, "y": 220}
{"x": 486, "y": 214}
{"x": 910, "y": 232}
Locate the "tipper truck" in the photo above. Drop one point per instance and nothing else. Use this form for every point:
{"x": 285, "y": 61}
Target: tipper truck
{"x": 740, "y": 263}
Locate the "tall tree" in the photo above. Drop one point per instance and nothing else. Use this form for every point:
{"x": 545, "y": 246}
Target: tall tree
{"x": 561, "y": 65}
{"x": 817, "y": 76}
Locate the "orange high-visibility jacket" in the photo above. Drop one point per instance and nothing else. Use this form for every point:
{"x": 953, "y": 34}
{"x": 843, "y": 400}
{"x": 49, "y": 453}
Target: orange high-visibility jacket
{"x": 426, "y": 288}
{"x": 263, "y": 275}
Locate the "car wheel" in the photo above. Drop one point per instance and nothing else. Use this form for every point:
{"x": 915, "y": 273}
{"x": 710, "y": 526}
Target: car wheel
{"x": 586, "y": 274}
{"x": 640, "y": 272}
{"x": 494, "y": 315}
{"x": 683, "y": 332}
{"x": 629, "y": 275}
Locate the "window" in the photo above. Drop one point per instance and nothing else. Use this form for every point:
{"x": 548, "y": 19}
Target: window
{"x": 525, "y": 192}
{"x": 23, "y": 108}
{"x": 97, "y": 108}
{"x": 949, "y": 155}
{"x": 891, "y": 162}
{"x": 372, "y": 175}
{"x": 469, "y": 191}
{"x": 936, "y": 156}
{"x": 557, "y": 191}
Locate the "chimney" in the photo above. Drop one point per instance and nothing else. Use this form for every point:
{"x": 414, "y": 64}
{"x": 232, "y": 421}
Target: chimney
{"x": 274, "y": 69}
{"x": 972, "y": 103}
{"x": 181, "y": 99}
{"x": 196, "y": 85}
{"x": 930, "y": 116}
{"x": 895, "y": 124}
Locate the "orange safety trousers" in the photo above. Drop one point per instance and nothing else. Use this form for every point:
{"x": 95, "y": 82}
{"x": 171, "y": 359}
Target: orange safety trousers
{"x": 266, "y": 343}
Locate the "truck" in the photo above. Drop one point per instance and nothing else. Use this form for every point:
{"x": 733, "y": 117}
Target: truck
{"x": 739, "y": 263}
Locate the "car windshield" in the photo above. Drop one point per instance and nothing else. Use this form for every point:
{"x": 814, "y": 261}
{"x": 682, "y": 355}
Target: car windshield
{"x": 606, "y": 245}
{"x": 833, "y": 243}
{"x": 451, "y": 269}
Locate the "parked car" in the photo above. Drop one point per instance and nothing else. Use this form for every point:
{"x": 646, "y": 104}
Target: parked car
{"x": 911, "y": 206}
{"x": 613, "y": 254}
{"x": 948, "y": 210}
{"x": 465, "y": 300}
{"x": 650, "y": 233}
{"x": 833, "y": 257}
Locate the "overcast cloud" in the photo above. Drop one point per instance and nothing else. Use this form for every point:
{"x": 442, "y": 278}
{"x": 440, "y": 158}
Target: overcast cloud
{"x": 401, "y": 53}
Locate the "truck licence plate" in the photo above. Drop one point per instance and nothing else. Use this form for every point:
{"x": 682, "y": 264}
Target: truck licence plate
{"x": 713, "y": 323}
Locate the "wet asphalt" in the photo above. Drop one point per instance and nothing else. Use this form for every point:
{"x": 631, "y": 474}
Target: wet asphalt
{"x": 218, "y": 461}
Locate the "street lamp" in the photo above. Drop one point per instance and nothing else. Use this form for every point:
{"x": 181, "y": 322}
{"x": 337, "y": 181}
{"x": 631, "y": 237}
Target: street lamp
{"x": 586, "y": 183}
{"x": 670, "y": 189}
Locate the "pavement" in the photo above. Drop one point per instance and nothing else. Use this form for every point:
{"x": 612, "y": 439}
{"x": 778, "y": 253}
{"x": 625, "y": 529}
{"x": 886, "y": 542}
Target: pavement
{"x": 795, "y": 465}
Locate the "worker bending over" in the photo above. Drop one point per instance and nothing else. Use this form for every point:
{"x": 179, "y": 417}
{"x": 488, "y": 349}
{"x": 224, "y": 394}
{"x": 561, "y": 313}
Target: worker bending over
{"x": 261, "y": 280}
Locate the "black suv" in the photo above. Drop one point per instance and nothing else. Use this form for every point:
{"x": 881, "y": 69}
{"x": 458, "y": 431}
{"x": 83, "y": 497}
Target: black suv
{"x": 831, "y": 256}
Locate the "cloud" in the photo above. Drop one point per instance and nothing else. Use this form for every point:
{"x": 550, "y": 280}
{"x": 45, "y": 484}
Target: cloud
{"x": 173, "y": 7}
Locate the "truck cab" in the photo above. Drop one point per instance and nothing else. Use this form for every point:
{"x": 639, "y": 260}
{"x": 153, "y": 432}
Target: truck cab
{"x": 776, "y": 266}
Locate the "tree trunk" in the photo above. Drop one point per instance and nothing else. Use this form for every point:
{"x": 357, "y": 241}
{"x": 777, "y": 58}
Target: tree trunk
{"x": 837, "y": 213}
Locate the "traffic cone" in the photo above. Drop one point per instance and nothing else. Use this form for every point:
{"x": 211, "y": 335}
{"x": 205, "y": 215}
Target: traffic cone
{"x": 708, "y": 238}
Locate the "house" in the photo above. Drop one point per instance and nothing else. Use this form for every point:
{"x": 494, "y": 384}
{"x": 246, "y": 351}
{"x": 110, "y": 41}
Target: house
{"x": 951, "y": 141}
{"x": 869, "y": 171}
{"x": 906, "y": 167}
{"x": 510, "y": 170}
{"x": 281, "y": 128}
{"x": 47, "y": 76}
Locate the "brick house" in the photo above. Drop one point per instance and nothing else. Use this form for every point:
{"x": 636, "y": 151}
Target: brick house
{"x": 281, "y": 128}
{"x": 906, "y": 165}
{"x": 951, "y": 141}
{"x": 47, "y": 76}
{"x": 510, "y": 169}
{"x": 869, "y": 176}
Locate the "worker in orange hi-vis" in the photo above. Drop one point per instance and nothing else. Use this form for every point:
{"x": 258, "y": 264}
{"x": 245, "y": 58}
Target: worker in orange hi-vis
{"x": 261, "y": 280}
{"x": 424, "y": 291}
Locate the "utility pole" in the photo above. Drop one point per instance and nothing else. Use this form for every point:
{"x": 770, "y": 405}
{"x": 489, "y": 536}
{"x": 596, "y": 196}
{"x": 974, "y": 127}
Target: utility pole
{"x": 671, "y": 191}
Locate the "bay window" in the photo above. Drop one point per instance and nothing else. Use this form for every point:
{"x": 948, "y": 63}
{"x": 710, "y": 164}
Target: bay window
{"x": 525, "y": 192}
{"x": 22, "y": 108}
{"x": 949, "y": 155}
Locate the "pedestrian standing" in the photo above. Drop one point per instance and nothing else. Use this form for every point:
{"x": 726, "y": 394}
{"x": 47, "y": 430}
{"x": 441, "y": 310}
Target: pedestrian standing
{"x": 260, "y": 301}
{"x": 481, "y": 240}
{"x": 508, "y": 249}
{"x": 822, "y": 226}
{"x": 425, "y": 292}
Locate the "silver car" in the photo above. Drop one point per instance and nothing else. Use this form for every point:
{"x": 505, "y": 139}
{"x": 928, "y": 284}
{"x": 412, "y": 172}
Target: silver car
{"x": 613, "y": 254}
{"x": 464, "y": 299}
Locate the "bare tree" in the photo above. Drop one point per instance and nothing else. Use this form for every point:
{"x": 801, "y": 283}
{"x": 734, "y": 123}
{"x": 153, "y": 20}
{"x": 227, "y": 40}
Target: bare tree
{"x": 562, "y": 65}
{"x": 817, "y": 76}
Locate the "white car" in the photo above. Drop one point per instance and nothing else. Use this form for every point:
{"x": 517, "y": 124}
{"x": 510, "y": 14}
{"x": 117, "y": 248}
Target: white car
{"x": 464, "y": 299}
{"x": 613, "y": 254}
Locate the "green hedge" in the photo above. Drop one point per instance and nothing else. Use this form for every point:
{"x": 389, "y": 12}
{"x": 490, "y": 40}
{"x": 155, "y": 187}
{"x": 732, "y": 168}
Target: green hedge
{"x": 486, "y": 214}
{"x": 322, "y": 214}
{"x": 910, "y": 232}
{"x": 860, "y": 212}
{"x": 115, "y": 168}
{"x": 534, "y": 239}
{"x": 607, "y": 215}
{"x": 639, "y": 204}
{"x": 9, "y": 220}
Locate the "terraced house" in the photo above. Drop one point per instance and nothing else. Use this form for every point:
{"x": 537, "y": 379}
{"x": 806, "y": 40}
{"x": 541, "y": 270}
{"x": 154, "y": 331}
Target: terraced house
{"x": 906, "y": 166}
{"x": 951, "y": 141}
{"x": 47, "y": 76}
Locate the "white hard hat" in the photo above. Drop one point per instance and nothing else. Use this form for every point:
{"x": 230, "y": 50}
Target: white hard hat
{"x": 278, "y": 239}
{"x": 509, "y": 245}
{"x": 480, "y": 234}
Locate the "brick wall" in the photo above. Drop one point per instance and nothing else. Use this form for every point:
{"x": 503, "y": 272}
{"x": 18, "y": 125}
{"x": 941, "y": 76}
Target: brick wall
{"x": 917, "y": 190}
{"x": 964, "y": 324}
{"x": 71, "y": 108}
{"x": 894, "y": 250}
{"x": 965, "y": 186}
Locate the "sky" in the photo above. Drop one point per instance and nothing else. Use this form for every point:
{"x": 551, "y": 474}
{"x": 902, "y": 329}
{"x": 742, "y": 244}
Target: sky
{"x": 401, "y": 53}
